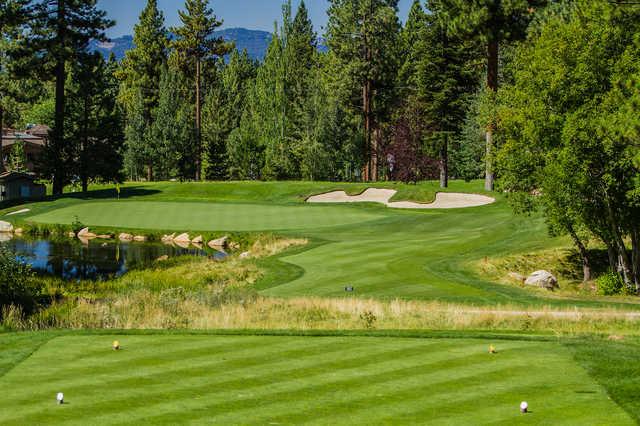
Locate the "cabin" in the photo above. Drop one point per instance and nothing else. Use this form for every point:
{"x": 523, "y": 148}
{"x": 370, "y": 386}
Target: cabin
{"x": 34, "y": 139}
{"x": 16, "y": 185}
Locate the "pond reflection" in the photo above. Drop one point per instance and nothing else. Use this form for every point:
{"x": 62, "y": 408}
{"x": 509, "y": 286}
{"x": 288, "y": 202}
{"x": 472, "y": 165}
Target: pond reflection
{"x": 95, "y": 260}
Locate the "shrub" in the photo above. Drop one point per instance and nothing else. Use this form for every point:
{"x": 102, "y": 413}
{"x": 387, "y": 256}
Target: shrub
{"x": 610, "y": 284}
{"x": 18, "y": 286}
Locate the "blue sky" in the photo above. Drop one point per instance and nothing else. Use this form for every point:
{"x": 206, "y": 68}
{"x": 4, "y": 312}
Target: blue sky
{"x": 252, "y": 14}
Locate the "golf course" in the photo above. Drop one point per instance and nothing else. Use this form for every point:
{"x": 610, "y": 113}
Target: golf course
{"x": 293, "y": 346}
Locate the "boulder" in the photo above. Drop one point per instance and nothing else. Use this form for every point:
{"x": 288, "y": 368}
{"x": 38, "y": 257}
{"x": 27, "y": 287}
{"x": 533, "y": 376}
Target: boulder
{"x": 5, "y": 226}
{"x": 220, "y": 242}
{"x": 140, "y": 238}
{"x": 84, "y": 233}
{"x": 104, "y": 237}
{"x": 18, "y": 231}
{"x": 162, "y": 258}
{"x": 234, "y": 245}
{"x": 168, "y": 237}
{"x": 125, "y": 237}
{"x": 182, "y": 244}
{"x": 542, "y": 279}
{"x": 245, "y": 255}
{"x": 182, "y": 238}
{"x": 198, "y": 240}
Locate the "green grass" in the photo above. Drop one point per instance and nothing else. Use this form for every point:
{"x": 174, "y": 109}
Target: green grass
{"x": 384, "y": 253}
{"x": 172, "y": 379}
{"x": 192, "y": 216}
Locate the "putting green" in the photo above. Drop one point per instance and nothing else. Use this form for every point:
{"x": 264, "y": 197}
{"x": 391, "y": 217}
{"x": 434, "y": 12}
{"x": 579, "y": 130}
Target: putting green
{"x": 185, "y": 216}
{"x": 289, "y": 380}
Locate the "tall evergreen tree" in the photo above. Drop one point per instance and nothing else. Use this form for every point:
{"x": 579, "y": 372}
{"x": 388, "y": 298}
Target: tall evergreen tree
{"x": 446, "y": 77}
{"x": 62, "y": 30}
{"x": 363, "y": 37}
{"x": 13, "y": 15}
{"x": 492, "y": 22}
{"x": 195, "y": 46}
{"x": 223, "y": 109}
{"x": 94, "y": 120}
{"x": 140, "y": 75}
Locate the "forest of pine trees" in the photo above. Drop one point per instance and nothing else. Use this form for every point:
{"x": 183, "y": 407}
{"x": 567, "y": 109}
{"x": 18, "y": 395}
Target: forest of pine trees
{"x": 369, "y": 99}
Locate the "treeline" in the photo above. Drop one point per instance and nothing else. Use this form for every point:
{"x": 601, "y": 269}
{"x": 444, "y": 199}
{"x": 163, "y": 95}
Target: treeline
{"x": 384, "y": 101}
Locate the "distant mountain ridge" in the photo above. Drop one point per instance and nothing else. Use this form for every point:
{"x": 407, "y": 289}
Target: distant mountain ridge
{"x": 254, "y": 41}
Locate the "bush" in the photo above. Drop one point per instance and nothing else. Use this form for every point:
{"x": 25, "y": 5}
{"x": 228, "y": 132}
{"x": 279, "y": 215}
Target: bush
{"x": 18, "y": 286}
{"x": 610, "y": 284}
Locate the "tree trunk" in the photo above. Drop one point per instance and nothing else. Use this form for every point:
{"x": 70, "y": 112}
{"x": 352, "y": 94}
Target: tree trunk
{"x": 635, "y": 255}
{"x": 2, "y": 169}
{"x": 150, "y": 172}
{"x": 444, "y": 163}
{"x": 198, "y": 124}
{"x": 493, "y": 56}
{"x": 84, "y": 166}
{"x": 584, "y": 254}
{"x": 57, "y": 141}
{"x": 366, "y": 106}
{"x": 621, "y": 249}
{"x": 375, "y": 144}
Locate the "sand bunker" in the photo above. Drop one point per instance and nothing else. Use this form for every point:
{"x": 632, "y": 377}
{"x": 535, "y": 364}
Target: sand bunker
{"x": 18, "y": 212}
{"x": 444, "y": 200}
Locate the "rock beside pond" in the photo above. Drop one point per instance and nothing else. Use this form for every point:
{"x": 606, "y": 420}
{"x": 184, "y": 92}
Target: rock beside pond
{"x": 162, "y": 258}
{"x": 182, "y": 238}
{"x": 5, "y": 226}
{"x": 245, "y": 255}
{"x": 198, "y": 240}
{"x": 105, "y": 236}
{"x": 125, "y": 237}
{"x": 85, "y": 234}
{"x": 18, "y": 231}
{"x": 220, "y": 242}
{"x": 168, "y": 238}
{"x": 542, "y": 279}
{"x": 140, "y": 238}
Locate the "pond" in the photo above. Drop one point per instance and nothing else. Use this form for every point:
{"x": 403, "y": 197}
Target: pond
{"x": 96, "y": 260}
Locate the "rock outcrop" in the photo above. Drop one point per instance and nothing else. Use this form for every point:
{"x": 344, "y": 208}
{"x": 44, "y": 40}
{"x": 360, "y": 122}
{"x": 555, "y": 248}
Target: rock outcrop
{"x": 220, "y": 242}
{"x": 542, "y": 279}
{"x": 125, "y": 237}
{"x": 5, "y": 227}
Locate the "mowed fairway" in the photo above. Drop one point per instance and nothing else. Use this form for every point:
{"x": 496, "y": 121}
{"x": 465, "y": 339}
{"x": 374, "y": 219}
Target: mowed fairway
{"x": 284, "y": 380}
{"x": 186, "y": 216}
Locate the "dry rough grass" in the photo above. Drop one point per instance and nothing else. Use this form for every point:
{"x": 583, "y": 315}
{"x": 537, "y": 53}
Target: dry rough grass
{"x": 236, "y": 308}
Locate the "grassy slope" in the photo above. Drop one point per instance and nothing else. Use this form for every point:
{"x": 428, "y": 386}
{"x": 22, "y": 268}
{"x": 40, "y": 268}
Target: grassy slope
{"x": 384, "y": 253}
{"x": 167, "y": 379}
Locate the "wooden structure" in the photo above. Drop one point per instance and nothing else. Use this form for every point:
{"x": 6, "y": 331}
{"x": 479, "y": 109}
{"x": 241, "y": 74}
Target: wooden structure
{"x": 15, "y": 185}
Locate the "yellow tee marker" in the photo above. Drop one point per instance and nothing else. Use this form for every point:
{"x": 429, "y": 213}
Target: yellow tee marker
{"x": 116, "y": 345}
{"x": 492, "y": 349}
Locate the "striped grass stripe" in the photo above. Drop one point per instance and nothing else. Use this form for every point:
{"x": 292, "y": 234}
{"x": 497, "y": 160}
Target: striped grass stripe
{"x": 173, "y": 379}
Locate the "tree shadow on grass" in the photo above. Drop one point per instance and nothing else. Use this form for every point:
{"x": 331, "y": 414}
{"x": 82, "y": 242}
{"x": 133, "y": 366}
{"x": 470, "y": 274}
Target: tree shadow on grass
{"x": 111, "y": 193}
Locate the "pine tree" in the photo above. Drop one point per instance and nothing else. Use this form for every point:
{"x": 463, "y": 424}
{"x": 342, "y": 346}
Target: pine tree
{"x": 13, "y": 16}
{"x": 223, "y": 109}
{"x": 491, "y": 22}
{"x": 142, "y": 64}
{"x": 140, "y": 75}
{"x": 62, "y": 30}
{"x": 363, "y": 37}
{"x": 94, "y": 120}
{"x": 195, "y": 46}
{"x": 446, "y": 76}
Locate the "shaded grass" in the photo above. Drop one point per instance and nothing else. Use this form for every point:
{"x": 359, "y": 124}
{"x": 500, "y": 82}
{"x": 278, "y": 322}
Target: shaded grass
{"x": 158, "y": 379}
